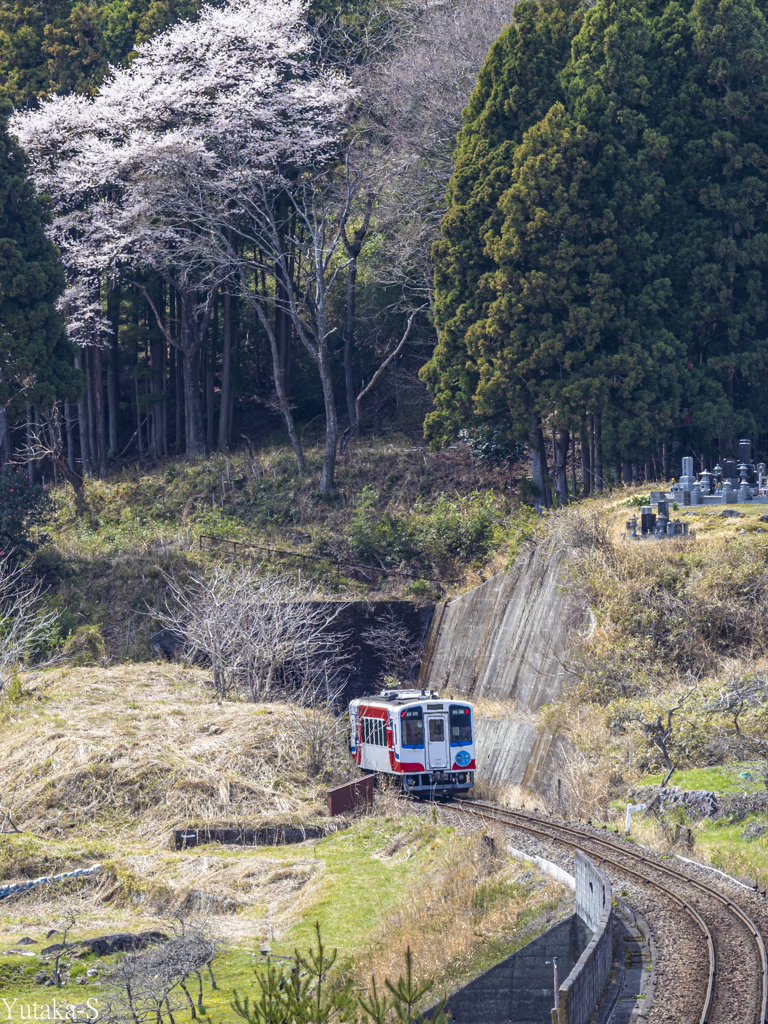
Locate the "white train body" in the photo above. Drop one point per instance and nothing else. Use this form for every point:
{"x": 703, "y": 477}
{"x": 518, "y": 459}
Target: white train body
{"x": 426, "y": 741}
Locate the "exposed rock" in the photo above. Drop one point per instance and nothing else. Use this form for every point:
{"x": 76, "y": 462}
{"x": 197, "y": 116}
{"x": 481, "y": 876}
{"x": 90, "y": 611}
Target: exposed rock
{"x": 754, "y": 831}
{"x": 730, "y": 513}
{"x": 123, "y": 942}
{"x": 26, "y": 941}
{"x": 699, "y": 802}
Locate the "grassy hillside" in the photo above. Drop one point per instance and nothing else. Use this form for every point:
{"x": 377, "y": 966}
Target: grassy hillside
{"x": 670, "y": 626}
{"x": 436, "y": 517}
{"x": 100, "y": 765}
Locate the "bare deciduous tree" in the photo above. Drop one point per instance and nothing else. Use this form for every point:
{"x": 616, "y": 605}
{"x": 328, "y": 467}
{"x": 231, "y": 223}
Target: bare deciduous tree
{"x": 659, "y": 729}
{"x": 152, "y": 985}
{"x": 23, "y": 622}
{"x": 262, "y": 635}
{"x": 742, "y": 705}
{"x": 395, "y": 645}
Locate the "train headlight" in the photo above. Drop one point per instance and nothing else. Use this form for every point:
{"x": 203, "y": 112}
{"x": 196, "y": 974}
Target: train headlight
{"x": 462, "y": 776}
{"x": 411, "y": 780}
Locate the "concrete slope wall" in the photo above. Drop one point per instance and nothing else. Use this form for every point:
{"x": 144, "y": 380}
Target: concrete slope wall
{"x": 581, "y": 991}
{"x": 514, "y": 750}
{"x": 519, "y": 990}
{"x": 508, "y": 640}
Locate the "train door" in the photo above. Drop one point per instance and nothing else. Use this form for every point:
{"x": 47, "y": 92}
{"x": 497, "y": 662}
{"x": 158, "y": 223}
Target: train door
{"x": 436, "y": 741}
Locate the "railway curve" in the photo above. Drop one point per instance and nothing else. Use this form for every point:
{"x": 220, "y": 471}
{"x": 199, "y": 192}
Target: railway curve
{"x": 732, "y": 982}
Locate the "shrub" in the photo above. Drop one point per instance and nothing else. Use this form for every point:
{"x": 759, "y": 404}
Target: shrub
{"x": 492, "y": 445}
{"x": 383, "y": 538}
{"x": 529, "y": 490}
{"x": 22, "y": 507}
{"x": 85, "y": 647}
{"x": 461, "y": 529}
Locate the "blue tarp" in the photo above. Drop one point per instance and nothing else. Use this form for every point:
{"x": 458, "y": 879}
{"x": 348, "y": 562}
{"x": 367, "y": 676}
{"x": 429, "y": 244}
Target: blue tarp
{"x": 16, "y": 887}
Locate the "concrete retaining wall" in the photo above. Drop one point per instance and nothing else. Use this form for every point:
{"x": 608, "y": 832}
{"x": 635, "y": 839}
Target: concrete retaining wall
{"x": 520, "y": 989}
{"x": 516, "y": 751}
{"x": 581, "y": 991}
{"x": 508, "y": 640}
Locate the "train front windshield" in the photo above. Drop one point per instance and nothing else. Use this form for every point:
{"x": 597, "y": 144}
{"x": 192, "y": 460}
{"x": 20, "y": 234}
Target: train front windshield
{"x": 461, "y": 725}
{"x": 412, "y": 723}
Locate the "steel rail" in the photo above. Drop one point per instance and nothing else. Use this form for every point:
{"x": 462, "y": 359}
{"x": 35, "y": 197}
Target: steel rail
{"x": 537, "y": 826}
{"x": 680, "y": 876}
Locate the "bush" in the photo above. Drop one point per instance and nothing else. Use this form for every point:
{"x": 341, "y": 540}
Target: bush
{"x": 462, "y": 529}
{"x": 438, "y": 533}
{"x": 492, "y": 445}
{"x": 529, "y": 491}
{"x": 22, "y": 507}
{"x": 86, "y": 647}
{"x": 379, "y": 537}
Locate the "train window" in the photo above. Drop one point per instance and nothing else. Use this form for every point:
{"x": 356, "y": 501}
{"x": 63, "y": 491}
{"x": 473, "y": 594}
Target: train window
{"x": 461, "y": 725}
{"x": 436, "y": 729}
{"x": 375, "y": 732}
{"x": 412, "y": 724}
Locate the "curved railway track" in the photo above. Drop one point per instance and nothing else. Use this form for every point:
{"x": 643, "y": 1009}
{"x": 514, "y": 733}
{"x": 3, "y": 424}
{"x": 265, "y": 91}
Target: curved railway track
{"x": 650, "y": 873}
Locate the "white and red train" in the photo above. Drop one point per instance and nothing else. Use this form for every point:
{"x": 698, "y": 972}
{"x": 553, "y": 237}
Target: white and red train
{"x": 417, "y": 736}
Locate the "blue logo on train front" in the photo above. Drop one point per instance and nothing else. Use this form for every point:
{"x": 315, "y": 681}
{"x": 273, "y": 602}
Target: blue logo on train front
{"x": 462, "y": 759}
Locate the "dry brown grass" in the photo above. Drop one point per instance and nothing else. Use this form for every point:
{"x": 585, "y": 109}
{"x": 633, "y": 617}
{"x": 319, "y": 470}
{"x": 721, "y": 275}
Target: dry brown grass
{"x": 470, "y": 907}
{"x": 140, "y": 750}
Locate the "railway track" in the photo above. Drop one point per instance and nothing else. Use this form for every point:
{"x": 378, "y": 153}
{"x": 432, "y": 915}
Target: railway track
{"x": 723, "y": 925}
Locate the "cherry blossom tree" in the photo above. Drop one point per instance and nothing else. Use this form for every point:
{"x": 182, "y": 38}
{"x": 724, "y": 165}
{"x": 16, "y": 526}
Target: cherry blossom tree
{"x": 229, "y": 105}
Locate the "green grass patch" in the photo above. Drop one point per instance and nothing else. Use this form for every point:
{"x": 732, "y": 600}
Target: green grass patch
{"x": 720, "y": 844}
{"x": 730, "y": 778}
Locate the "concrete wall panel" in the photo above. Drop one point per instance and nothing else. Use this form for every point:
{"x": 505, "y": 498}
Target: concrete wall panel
{"x": 581, "y": 990}
{"x": 508, "y": 640}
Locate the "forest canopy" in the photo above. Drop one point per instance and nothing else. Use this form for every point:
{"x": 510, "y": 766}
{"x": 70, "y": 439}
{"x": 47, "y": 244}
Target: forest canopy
{"x": 602, "y": 266}
{"x": 541, "y": 223}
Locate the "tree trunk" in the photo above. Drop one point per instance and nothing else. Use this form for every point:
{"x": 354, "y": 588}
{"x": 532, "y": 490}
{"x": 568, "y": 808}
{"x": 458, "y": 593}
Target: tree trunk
{"x": 331, "y": 424}
{"x": 156, "y": 362}
{"x": 539, "y": 459}
{"x": 226, "y": 359}
{"x": 101, "y": 426}
{"x": 180, "y": 413}
{"x": 562, "y": 445}
{"x": 82, "y": 417}
{"x": 92, "y": 448}
{"x": 164, "y": 406}
{"x": 599, "y": 483}
{"x": 285, "y": 406}
{"x": 30, "y": 434}
{"x": 113, "y": 368}
{"x": 5, "y": 441}
{"x": 192, "y": 397}
{"x": 586, "y": 466}
{"x": 209, "y": 364}
{"x": 193, "y": 404}
{"x": 349, "y": 341}
{"x": 70, "y": 435}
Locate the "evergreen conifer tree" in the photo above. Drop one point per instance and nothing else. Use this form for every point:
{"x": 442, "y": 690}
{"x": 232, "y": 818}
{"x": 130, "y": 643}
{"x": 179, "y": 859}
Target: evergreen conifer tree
{"x": 619, "y": 269}
{"x": 35, "y": 357}
{"x": 516, "y": 87}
